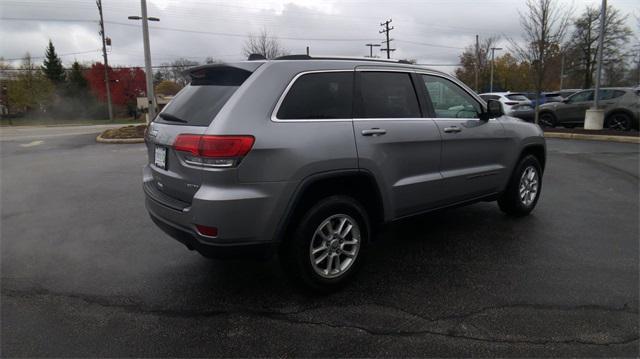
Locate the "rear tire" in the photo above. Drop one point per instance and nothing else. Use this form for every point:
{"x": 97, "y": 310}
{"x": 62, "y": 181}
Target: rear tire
{"x": 328, "y": 245}
{"x": 523, "y": 189}
{"x": 618, "y": 122}
{"x": 547, "y": 120}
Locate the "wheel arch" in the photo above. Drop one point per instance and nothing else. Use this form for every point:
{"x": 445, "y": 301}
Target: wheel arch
{"x": 537, "y": 150}
{"x": 358, "y": 184}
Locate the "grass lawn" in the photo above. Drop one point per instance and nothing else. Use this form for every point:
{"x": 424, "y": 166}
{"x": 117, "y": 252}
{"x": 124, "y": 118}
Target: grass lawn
{"x": 61, "y": 122}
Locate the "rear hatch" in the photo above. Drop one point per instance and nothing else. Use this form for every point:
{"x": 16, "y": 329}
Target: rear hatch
{"x": 519, "y": 102}
{"x": 175, "y": 173}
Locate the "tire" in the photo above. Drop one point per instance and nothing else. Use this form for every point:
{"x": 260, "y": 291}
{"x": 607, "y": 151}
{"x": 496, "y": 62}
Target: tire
{"x": 619, "y": 122}
{"x": 297, "y": 255}
{"x": 511, "y": 201}
{"x": 547, "y": 120}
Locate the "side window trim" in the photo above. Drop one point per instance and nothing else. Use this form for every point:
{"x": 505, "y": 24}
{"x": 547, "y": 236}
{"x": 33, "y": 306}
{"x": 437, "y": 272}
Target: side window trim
{"x": 423, "y": 96}
{"x": 274, "y": 113}
{"x": 357, "y": 98}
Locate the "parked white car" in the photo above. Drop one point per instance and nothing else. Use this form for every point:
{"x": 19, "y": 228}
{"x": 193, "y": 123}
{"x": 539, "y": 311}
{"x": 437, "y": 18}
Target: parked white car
{"x": 513, "y": 104}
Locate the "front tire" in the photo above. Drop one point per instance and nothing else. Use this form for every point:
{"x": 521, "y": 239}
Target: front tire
{"x": 328, "y": 245}
{"x": 523, "y": 189}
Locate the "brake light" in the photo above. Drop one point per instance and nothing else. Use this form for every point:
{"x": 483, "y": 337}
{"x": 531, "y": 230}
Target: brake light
{"x": 214, "y": 151}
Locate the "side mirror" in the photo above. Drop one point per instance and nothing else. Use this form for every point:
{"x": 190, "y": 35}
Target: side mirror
{"x": 494, "y": 110}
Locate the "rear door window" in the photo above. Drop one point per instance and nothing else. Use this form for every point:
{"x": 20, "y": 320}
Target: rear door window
{"x": 387, "y": 95}
{"x": 201, "y": 100}
{"x": 325, "y": 95}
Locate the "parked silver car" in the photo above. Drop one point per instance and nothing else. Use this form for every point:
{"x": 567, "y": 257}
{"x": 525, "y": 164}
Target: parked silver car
{"x": 308, "y": 156}
{"x": 621, "y": 105}
{"x": 513, "y": 104}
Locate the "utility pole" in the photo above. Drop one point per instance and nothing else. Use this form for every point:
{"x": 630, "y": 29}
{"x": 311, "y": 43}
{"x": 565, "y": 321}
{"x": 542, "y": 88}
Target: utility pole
{"x": 151, "y": 97}
{"x": 493, "y": 52}
{"x": 371, "y": 46}
{"x": 386, "y": 31}
{"x": 477, "y": 67}
{"x": 307, "y": 50}
{"x": 107, "y": 83}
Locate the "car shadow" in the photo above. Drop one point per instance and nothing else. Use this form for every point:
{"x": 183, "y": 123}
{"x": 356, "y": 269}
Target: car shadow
{"x": 432, "y": 252}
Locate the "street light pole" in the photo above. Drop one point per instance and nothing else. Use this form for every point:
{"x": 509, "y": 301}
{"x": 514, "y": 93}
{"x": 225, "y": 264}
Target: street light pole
{"x": 151, "y": 98}
{"x": 594, "y": 117}
{"x": 493, "y": 52}
{"x": 561, "y": 70}
{"x": 371, "y": 46}
{"x": 603, "y": 16}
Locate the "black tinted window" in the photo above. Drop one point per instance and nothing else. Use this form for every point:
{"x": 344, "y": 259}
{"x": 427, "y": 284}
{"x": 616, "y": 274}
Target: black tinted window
{"x": 582, "y": 97}
{"x": 200, "y": 101}
{"x": 319, "y": 96}
{"x": 387, "y": 95}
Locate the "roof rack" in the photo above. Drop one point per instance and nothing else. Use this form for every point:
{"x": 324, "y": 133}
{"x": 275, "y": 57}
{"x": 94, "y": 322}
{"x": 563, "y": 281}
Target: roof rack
{"x": 345, "y": 58}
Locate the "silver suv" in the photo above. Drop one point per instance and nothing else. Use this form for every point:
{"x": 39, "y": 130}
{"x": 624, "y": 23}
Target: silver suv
{"x": 308, "y": 156}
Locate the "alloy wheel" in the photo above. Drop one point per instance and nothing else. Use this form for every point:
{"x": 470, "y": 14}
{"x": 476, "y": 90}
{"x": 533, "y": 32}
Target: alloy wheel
{"x": 528, "y": 188}
{"x": 335, "y": 246}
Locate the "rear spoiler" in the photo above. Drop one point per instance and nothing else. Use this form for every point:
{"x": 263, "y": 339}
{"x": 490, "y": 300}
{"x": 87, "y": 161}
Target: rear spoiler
{"x": 249, "y": 66}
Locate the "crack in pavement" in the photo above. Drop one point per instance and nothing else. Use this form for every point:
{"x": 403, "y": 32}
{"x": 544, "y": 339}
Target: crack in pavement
{"x": 454, "y": 330}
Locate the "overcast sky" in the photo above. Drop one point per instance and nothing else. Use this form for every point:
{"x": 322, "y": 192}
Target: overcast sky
{"x": 431, "y": 31}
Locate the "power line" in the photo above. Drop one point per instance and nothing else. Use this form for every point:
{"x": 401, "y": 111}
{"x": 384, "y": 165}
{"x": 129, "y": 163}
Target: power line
{"x": 429, "y": 45}
{"x": 65, "y": 54}
{"x": 193, "y": 31}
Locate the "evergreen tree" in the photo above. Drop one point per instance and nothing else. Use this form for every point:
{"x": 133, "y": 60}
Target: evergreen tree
{"x": 77, "y": 82}
{"x": 52, "y": 66}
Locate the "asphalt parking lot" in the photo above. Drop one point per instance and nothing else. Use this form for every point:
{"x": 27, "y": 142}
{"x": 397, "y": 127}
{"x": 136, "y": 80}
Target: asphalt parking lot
{"x": 86, "y": 273}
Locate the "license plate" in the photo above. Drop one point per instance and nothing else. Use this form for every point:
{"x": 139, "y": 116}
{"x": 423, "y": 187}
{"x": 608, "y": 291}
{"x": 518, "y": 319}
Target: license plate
{"x": 161, "y": 157}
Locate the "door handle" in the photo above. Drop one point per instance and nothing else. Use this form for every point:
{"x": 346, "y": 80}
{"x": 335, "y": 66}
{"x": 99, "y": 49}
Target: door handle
{"x": 452, "y": 129}
{"x": 374, "y": 132}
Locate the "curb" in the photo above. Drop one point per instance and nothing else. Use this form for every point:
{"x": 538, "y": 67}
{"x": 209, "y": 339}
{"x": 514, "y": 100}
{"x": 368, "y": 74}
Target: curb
{"x": 581, "y": 136}
{"x": 118, "y": 140}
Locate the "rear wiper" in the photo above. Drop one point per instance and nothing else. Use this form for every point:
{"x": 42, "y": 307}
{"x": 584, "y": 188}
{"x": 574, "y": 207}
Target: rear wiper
{"x": 172, "y": 118}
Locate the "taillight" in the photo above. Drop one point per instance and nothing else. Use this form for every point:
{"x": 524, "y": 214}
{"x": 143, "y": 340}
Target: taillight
{"x": 214, "y": 151}
{"x": 207, "y": 231}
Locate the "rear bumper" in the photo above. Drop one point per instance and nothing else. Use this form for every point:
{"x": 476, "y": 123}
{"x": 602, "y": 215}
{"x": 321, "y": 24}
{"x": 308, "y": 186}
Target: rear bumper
{"x": 243, "y": 214}
{"x": 189, "y": 239}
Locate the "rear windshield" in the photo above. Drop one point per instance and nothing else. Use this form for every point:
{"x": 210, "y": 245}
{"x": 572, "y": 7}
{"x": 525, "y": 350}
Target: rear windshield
{"x": 517, "y": 97}
{"x": 200, "y": 101}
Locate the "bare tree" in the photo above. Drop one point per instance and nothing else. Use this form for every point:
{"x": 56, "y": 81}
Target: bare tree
{"x": 264, "y": 44}
{"x": 584, "y": 42}
{"x": 481, "y": 58}
{"x": 175, "y": 70}
{"x": 544, "y": 25}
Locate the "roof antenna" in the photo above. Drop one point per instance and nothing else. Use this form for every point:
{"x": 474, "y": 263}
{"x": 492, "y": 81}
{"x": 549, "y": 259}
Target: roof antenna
{"x": 254, "y": 57}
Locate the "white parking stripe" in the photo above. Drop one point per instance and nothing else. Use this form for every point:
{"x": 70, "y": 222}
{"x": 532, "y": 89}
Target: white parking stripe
{"x": 31, "y": 144}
